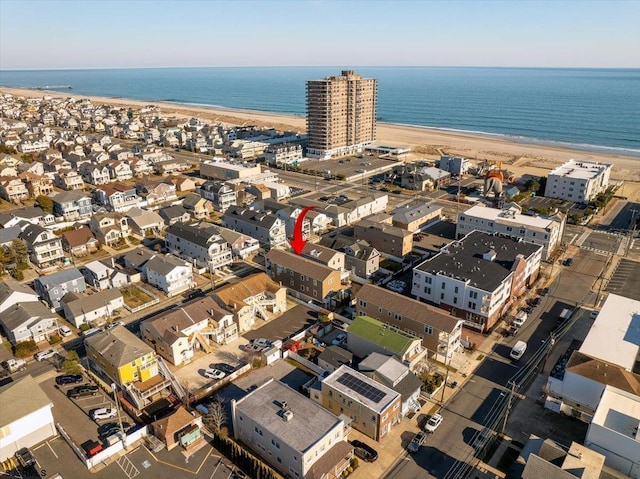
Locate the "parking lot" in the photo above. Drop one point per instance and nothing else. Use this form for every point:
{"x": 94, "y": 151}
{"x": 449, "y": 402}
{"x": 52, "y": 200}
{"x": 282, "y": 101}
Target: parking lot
{"x": 625, "y": 280}
{"x": 352, "y": 167}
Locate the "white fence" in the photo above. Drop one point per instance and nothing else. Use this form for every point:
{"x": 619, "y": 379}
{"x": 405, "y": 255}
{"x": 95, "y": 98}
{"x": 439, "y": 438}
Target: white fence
{"x": 305, "y": 362}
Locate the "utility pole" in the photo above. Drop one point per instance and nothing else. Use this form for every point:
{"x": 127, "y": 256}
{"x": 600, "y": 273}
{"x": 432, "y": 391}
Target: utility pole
{"x": 446, "y": 367}
{"x": 506, "y": 415}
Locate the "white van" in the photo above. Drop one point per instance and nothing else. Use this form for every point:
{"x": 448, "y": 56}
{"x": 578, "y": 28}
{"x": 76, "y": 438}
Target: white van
{"x": 520, "y": 318}
{"x": 518, "y": 350}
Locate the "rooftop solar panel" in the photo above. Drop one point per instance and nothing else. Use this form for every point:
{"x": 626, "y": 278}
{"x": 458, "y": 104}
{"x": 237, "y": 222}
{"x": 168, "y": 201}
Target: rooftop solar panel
{"x": 359, "y": 386}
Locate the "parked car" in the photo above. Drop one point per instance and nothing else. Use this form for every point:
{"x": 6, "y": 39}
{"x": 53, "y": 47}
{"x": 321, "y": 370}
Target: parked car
{"x": 46, "y": 354}
{"x": 433, "y": 423}
{"x": 594, "y": 314}
{"x": 544, "y": 291}
{"x": 339, "y": 339}
{"x": 69, "y": 379}
{"x": 568, "y": 262}
{"x": 364, "y": 451}
{"x": 260, "y": 344}
{"x": 114, "y": 324}
{"x": 416, "y": 442}
{"x": 536, "y": 302}
{"x": 65, "y": 331}
{"x": 81, "y": 391}
{"x": 25, "y": 458}
{"x": 103, "y": 413}
{"x": 110, "y": 428}
{"x": 226, "y": 368}
{"x": 213, "y": 373}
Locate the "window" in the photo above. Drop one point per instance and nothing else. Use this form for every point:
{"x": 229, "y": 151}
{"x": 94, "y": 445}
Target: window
{"x": 455, "y": 300}
{"x": 442, "y": 296}
{"x": 363, "y": 303}
{"x": 455, "y": 289}
{"x": 275, "y": 443}
{"x": 428, "y": 329}
{"x": 472, "y": 305}
{"x": 398, "y": 317}
{"x": 509, "y": 228}
{"x": 443, "y": 285}
{"x": 379, "y": 309}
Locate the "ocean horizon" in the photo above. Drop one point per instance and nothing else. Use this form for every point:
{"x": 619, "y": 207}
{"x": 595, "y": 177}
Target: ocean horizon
{"x": 578, "y": 108}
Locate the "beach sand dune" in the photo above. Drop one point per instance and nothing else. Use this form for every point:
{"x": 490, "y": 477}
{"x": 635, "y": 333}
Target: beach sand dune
{"x": 520, "y": 158}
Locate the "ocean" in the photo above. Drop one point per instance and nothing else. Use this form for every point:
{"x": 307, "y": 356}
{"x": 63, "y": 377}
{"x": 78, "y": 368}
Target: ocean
{"x": 587, "y": 109}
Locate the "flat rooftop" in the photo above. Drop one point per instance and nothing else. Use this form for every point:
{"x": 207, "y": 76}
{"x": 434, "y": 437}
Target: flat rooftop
{"x": 508, "y": 215}
{"x": 615, "y": 334}
{"x": 583, "y": 170}
{"x": 310, "y": 421}
{"x": 361, "y": 388}
{"x": 619, "y": 411}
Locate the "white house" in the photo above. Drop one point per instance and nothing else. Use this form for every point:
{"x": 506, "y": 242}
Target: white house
{"x": 200, "y": 244}
{"x": 92, "y": 309}
{"x": 28, "y": 421}
{"x": 168, "y": 273}
{"x": 103, "y": 276}
{"x": 578, "y": 181}
{"x": 12, "y": 292}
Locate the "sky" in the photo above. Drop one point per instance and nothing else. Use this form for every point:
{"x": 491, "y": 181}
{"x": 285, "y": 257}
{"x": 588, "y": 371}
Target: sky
{"x": 124, "y": 34}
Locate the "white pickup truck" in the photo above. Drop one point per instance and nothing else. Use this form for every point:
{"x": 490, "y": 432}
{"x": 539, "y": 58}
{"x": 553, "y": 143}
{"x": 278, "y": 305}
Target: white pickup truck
{"x": 14, "y": 365}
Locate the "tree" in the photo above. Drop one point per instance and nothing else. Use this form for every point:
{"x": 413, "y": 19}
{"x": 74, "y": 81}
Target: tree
{"x": 532, "y": 185}
{"x": 216, "y": 418}
{"x": 19, "y": 251}
{"x": 71, "y": 363}
{"x": 45, "y": 203}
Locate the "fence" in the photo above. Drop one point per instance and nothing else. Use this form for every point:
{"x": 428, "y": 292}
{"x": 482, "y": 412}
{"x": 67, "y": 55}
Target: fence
{"x": 305, "y": 362}
{"x": 155, "y": 300}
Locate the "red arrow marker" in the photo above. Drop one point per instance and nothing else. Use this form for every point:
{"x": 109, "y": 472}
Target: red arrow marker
{"x": 297, "y": 243}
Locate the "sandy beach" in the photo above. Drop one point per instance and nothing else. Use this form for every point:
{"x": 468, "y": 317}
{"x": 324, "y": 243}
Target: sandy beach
{"x": 520, "y": 158}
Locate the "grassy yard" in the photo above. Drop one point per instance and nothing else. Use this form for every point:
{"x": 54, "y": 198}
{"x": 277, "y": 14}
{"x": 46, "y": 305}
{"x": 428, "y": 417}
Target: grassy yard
{"x": 134, "y": 296}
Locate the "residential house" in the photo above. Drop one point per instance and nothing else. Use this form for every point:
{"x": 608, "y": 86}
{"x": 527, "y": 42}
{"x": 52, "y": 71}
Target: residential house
{"x": 101, "y": 275}
{"x": 12, "y": 293}
{"x": 145, "y": 222}
{"x": 119, "y": 169}
{"x": 137, "y": 258}
{"x": 45, "y": 248}
{"x": 176, "y": 334}
{"x": 392, "y": 373}
{"x": 7, "y": 235}
{"x": 197, "y": 206}
{"x": 307, "y": 278}
{"x": 168, "y": 273}
{"x": 54, "y": 286}
{"x": 200, "y": 244}
{"x": 72, "y": 205}
{"x": 95, "y": 174}
{"x": 438, "y": 177}
{"x": 167, "y": 167}
{"x": 252, "y": 297}
{"x": 221, "y": 195}
{"x": 32, "y": 214}
{"x": 174, "y": 214}
{"x": 119, "y": 356}
{"x": 414, "y": 217}
{"x": 323, "y": 255}
{"x": 155, "y": 192}
{"x": 440, "y": 332}
{"x": 455, "y": 165}
{"x": 92, "y": 309}
{"x": 478, "y": 277}
{"x": 80, "y": 242}
{"x": 140, "y": 167}
{"x": 361, "y": 258}
{"x": 373, "y": 407}
{"x": 242, "y": 246}
{"x": 183, "y": 183}
{"x": 26, "y": 423}
{"x": 110, "y": 228}
{"x": 261, "y": 225}
{"x": 333, "y": 357}
{"x": 12, "y": 189}
{"x": 291, "y": 432}
{"x": 366, "y": 335}
{"x": 390, "y": 240}
{"x": 30, "y": 321}
{"x": 546, "y": 231}
{"x": 37, "y": 185}
{"x": 68, "y": 180}
{"x": 180, "y": 428}
{"x": 117, "y": 197}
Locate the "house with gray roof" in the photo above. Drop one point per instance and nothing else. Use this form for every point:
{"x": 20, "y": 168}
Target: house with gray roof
{"x": 54, "y": 286}
{"x": 333, "y": 357}
{"x": 264, "y": 226}
{"x": 415, "y": 216}
{"x": 174, "y": 214}
{"x": 28, "y": 321}
{"x": 292, "y": 433}
{"x": 32, "y": 214}
{"x": 169, "y": 274}
{"x": 361, "y": 258}
{"x": 7, "y": 235}
{"x": 28, "y": 421}
{"x": 200, "y": 244}
{"x": 93, "y": 309}
{"x": 45, "y": 248}
{"x": 143, "y": 222}
{"x": 12, "y": 292}
{"x": 102, "y": 275}
{"x": 72, "y": 205}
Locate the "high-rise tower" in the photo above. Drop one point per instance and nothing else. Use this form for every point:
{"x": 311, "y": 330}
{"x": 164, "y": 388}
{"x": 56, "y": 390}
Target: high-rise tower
{"x": 341, "y": 114}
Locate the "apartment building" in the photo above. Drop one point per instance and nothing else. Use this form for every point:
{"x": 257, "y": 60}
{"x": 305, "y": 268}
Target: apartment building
{"x": 283, "y": 153}
{"x": 387, "y": 239}
{"x": 222, "y": 169}
{"x": 264, "y": 226}
{"x": 413, "y": 217}
{"x": 201, "y": 244}
{"x": 307, "y": 278}
{"x": 292, "y": 433}
{"x": 373, "y": 407}
{"x": 478, "y": 277}
{"x": 341, "y": 114}
{"x": 545, "y": 231}
{"x": 439, "y": 332}
{"x": 578, "y": 181}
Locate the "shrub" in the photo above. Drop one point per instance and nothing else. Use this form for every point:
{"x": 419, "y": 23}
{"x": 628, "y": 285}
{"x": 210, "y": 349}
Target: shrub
{"x": 17, "y": 274}
{"x": 55, "y": 339}
{"x": 354, "y": 462}
{"x": 85, "y": 327}
{"x": 26, "y": 348}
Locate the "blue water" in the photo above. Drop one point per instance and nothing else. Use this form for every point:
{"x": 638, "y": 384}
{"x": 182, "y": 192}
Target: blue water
{"x": 590, "y": 109}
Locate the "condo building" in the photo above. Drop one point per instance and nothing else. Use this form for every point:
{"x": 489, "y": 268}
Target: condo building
{"x": 341, "y": 115}
{"x": 578, "y": 181}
